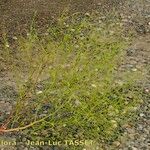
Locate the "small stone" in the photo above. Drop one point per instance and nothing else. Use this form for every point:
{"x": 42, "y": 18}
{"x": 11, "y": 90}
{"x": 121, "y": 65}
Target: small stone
{"x": 45, "y": 112}
{"x": 130, "y": 66}
{"x": 130, "y": 96}
{"x": 7, "y": 113}
{"x": 24, "y": 139}
{"x": 134, "y": 69}
{"x": 142, "y": 115}
{"x": 134, "y": 148}
{"x": 46, "y": 34}
{"x": 140, "y": 127}
{"x": 125, "y": 20}
{"x": 116, "y": 143}
{"x": 133, "y": 62}
{"x": 146, "y": 90}
{"x": 100, "y": 21}
{"x": 139, "y": 66}
{"x": 42, "y": 115}
{"x": 87, "y": 14}
{"x": 14, "y": 37}
{"x": 39, "y": 92}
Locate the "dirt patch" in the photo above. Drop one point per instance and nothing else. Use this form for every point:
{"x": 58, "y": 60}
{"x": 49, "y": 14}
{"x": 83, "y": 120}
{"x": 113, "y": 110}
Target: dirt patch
{"x": 16, "y": 15}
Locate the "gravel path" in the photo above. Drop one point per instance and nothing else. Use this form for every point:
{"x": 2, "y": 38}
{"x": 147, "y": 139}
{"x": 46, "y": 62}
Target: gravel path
{"x": 136, "y": 133}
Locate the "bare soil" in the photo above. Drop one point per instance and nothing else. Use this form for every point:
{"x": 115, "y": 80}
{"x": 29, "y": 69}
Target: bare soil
{"x": 16, "y": 15}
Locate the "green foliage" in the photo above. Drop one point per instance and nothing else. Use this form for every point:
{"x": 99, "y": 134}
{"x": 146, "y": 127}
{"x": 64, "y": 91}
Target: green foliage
{"x": 68, "y": 78}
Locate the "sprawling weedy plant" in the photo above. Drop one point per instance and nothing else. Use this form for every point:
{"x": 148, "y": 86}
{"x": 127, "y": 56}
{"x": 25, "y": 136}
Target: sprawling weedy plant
{"x": 68, "y": 87}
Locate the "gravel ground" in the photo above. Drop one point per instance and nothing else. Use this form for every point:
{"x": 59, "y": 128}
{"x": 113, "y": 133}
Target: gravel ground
{"x": 136, "y": 133}
{"x": 16, "y": 15}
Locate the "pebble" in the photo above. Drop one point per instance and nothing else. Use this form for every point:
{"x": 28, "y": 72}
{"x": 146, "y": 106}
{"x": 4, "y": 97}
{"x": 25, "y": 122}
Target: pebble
{"x": 142, "y": 115}
{"x": 116, "y": 143}
{"x": 24, "y": 139}
{"x": 147, "y": 90}
{"x": 134, "y": 148}
{"x": 134, "y": 69}
{"x": 39, "y": 92}
{"x": 133, "y": 62}
{"x": 87, "y": 14}
{"x": 14, "y": 37}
